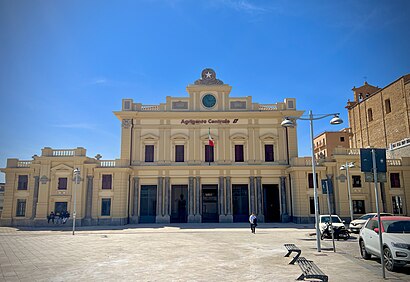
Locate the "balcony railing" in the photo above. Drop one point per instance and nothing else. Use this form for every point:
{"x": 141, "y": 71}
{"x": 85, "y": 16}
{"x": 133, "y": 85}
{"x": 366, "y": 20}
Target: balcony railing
{"x": 23, "y": 163}
{"x": 107, "y": 163}
{"x": 346, "y": 151}
{"x": 63, "y": 153}
{"x": 150, "y": 108}
{"x": 394, "y": 162}
{"x": 268, "y": 107}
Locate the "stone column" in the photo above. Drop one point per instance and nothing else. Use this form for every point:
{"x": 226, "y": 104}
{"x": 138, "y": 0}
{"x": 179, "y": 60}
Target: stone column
{"x": 259, "y": 208}
{"x": 89, "y": 201}
{"x": 221, "y": 208}
{"x": 198, "y": 207}
{"x": 191, "y": 216}
{"x": 252, "y": 193}
{"x": 35, "y": 196}
{"x": 160, "y": 207}
{"x": 283, "y": 202}
{"x": 228, "y": 217}
{"x": 135, "y": 200}
{"x": 167, "y": 197}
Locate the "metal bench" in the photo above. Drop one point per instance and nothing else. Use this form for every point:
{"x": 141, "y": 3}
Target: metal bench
{"x": 292, "y": 248}
{"x": 310, "y": 270}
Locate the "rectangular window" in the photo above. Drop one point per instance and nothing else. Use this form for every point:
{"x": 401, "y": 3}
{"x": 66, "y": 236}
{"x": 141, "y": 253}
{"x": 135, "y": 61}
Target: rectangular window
{"x": 312, "y": 205}
{"x": 397, "y": 203}
{"x": 106, "y": 181}
{"x": 370, "y": 114}
{"x": 209, "y": 153}
{"x": 106, "y": 207}
{"x": 387, "y": 105}
{"x": 356, "y": 181}
{"x": 310, "y": 180}
{"x": 342, "y": 139}
{"x": 394, "y": 180}
{"x": 62, "y": 183}
{"x": 179, "y": 153}
{"x": 23, "y": 181}
{"x": 21, "y": 207}
{"x": 268, "y": 153}
{"x": 239, "y": 153}
{"x": 358, "y": 207}
{"x": 149, "y": 153}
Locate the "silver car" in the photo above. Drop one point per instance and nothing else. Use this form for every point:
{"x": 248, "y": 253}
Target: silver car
{"x": 357, "y": 224}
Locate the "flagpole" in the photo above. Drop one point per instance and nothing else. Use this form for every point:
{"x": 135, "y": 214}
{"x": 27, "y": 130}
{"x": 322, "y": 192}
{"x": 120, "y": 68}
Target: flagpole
{"x": 209, "y": 146}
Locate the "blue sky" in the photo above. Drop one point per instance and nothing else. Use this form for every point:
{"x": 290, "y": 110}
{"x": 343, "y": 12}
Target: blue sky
{"x": 66, "y": 65}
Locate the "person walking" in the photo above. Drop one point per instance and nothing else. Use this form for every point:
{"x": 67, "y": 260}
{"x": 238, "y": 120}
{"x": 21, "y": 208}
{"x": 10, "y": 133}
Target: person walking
{"x": 254, "y": 222}
{"x": 52, "y": 216}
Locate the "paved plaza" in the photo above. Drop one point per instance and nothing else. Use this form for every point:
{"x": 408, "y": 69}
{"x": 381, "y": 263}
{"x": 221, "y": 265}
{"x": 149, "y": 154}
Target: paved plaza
{"x": 183, "y": 252}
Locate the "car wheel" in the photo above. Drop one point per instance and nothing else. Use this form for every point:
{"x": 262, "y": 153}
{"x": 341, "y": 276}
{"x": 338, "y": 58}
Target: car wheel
{"x": 388, "y": 260}
{"x": 363, "y": 251}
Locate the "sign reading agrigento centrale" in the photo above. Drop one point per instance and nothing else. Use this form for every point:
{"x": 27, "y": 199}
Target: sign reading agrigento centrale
{"x": 210, "y": 121}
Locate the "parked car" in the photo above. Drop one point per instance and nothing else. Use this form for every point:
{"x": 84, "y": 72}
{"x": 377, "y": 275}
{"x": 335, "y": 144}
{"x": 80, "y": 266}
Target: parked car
{"x": 325, "y": 218}
{"x": 395, "y": 232}
{"x": 357, "y": 224}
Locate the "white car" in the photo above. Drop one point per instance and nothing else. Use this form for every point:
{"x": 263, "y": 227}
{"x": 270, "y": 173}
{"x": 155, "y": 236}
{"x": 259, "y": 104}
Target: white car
{"x": 396, "y": 240}
{"x": 357, "y": 224}
{"x": 325, "y": 218}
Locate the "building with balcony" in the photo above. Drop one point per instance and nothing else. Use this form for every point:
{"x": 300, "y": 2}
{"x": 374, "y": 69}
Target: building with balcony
{"x": 326, "y": 142}
{"x": 208, "y": 157}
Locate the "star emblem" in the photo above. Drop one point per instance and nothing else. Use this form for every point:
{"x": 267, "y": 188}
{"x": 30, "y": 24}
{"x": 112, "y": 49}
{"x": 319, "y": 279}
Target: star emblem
{"x": 208, "y": 75}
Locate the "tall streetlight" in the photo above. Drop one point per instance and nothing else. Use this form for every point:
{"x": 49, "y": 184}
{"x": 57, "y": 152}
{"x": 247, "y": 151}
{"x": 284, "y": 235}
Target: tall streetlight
{"x": 287, "y": 122}
{"x": 76, "y": 181}
{"x": 346, "y": 167}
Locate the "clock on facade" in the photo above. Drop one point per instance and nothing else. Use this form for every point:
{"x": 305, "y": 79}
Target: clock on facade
{"x": 208, "y": 100}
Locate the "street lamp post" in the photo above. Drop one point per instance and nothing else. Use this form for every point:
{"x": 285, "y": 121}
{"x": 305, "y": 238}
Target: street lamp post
{"x": 287, "y": 122}
{"x": 349, "y": 192}
{"x": 76, "y": 181}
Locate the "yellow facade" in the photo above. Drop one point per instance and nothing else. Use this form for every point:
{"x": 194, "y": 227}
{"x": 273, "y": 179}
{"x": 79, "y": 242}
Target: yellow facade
{"x": 167, "y": 173}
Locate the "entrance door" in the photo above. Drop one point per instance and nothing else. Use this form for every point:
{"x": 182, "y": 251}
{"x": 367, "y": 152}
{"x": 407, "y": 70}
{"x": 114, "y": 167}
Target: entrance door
{"x": 271, "y": 203}
{"x": 210, "y": 203}
{"x": 240, "y": 203}
{"x": 179, "y": 203}
{"x": 148, "y": 203}
{"x": 60, "y": 207}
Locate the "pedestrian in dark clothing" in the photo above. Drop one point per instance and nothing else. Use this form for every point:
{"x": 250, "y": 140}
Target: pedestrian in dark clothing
{"x": 181, "y": 209}
{"x": 51, "y": 217}
{"x": 254, "y": 222}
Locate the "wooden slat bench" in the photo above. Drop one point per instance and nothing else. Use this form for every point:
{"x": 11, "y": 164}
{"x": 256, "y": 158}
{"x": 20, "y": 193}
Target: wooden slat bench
{"x": 310, "y": 270}
{"x": 292, "y": 248}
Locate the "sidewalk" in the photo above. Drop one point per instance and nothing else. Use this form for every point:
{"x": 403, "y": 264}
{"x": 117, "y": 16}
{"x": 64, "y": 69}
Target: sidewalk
{"x": 184, "y": 252}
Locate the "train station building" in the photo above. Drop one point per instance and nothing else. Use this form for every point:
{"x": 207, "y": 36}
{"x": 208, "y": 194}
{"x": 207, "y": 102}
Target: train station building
{"x": 205, "y": 157}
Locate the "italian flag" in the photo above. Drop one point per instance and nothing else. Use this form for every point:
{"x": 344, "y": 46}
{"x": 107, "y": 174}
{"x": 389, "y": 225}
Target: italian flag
{"x": 211, "y": 142}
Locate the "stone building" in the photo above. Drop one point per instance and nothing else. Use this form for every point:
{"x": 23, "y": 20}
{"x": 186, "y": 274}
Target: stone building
{"x": 207, "y": 157}
{"x": 380, "y": 117}
{"x": 327, "y": 141}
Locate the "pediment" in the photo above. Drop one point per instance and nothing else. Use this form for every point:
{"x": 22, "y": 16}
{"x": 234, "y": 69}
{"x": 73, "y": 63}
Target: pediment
{"x": 149, "y": 137}
{"x": 179, "y": 136}
{"x": 62, "y": 168}
{"x": 206, "y": 138}
{"x": 239, "y": 136}
{"x": 269, "y": 137}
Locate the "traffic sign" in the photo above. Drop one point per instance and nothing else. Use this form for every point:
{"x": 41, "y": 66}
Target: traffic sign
{"x": 366, "y": 160}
